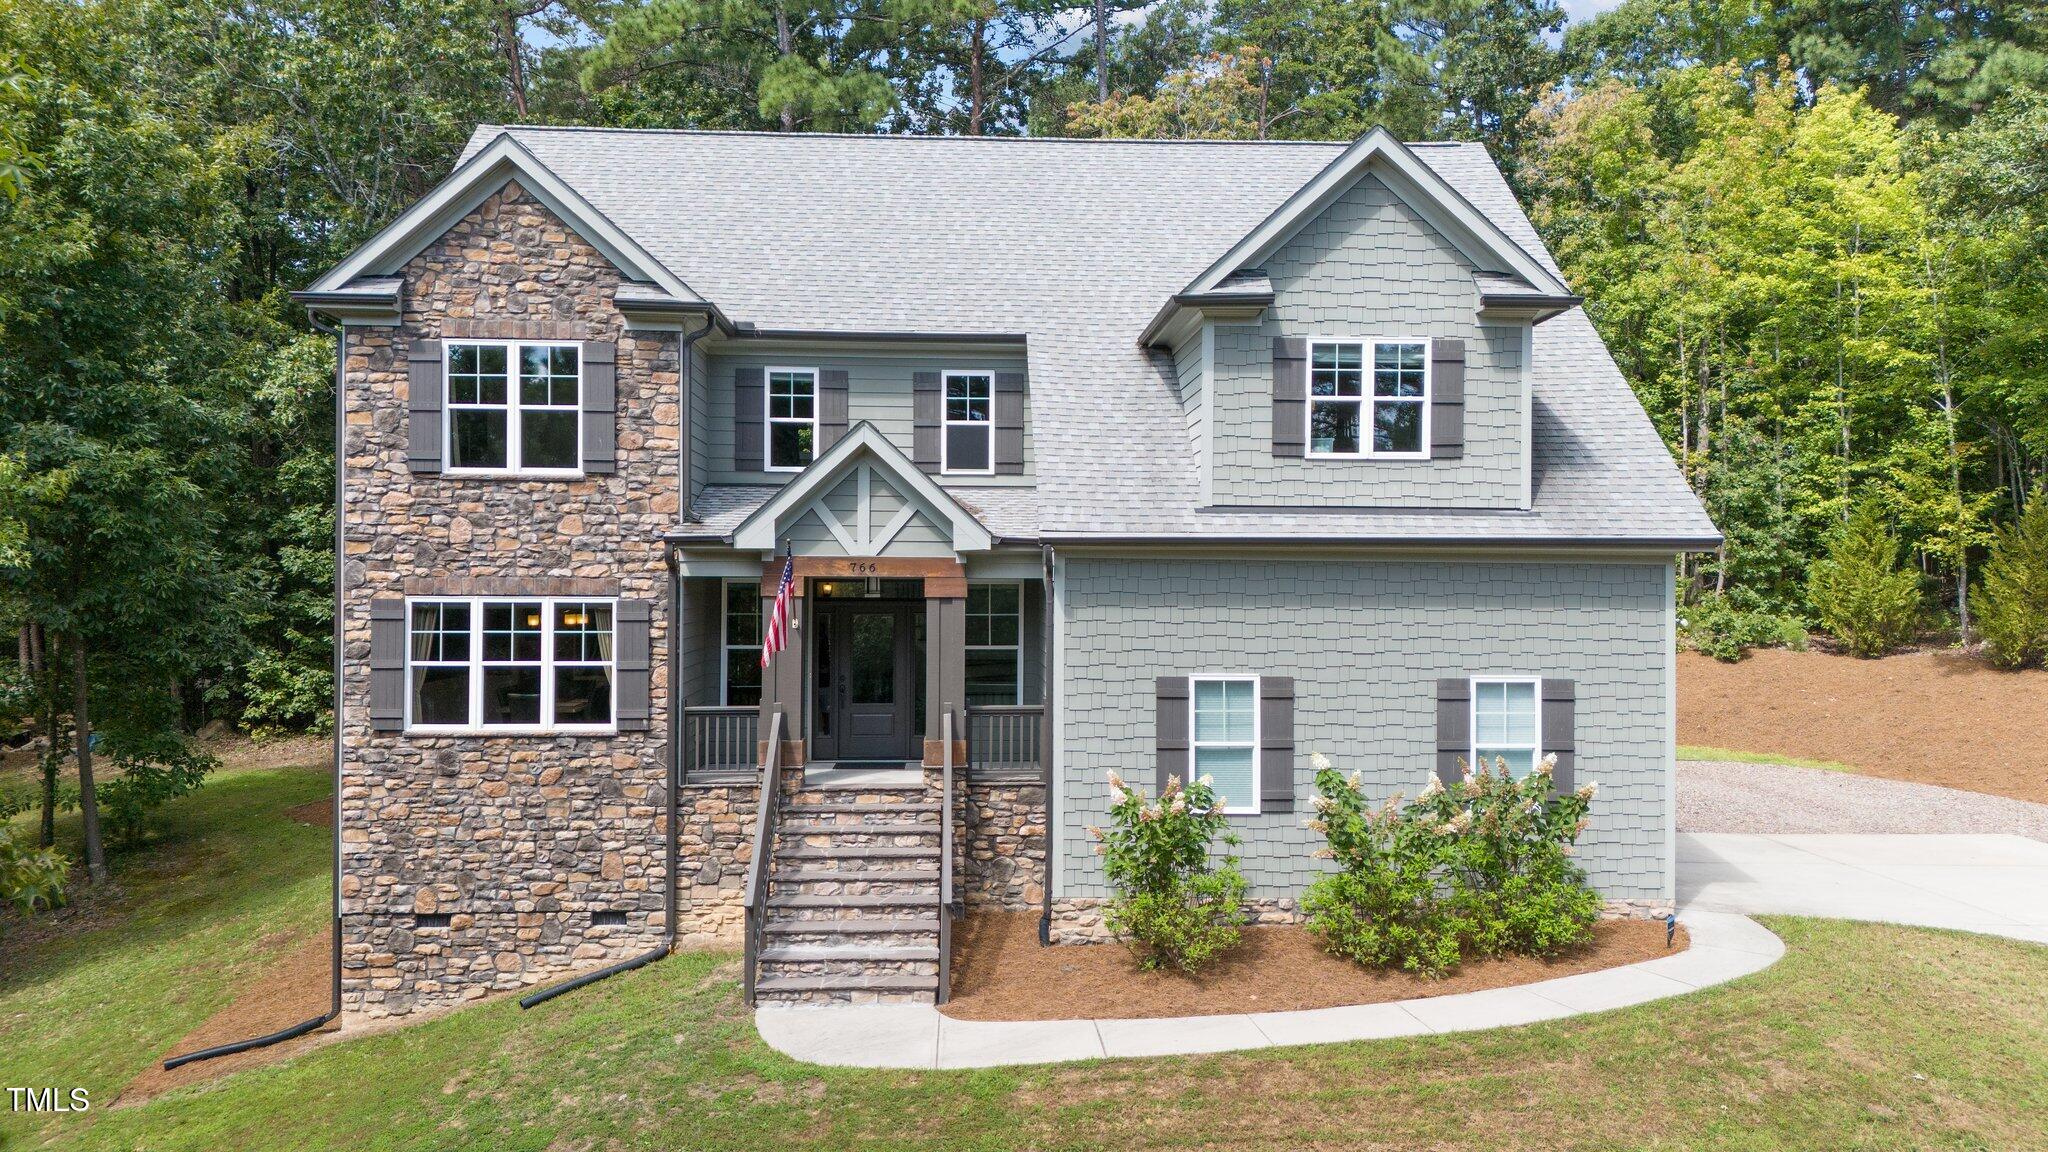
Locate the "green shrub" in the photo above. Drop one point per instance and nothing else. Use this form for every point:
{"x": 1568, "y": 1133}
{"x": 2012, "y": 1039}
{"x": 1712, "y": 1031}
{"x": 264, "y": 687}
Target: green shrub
{"x": 1484, "y": 867}
{"x": 2012, "y": 601}
{"x": 1175, "y": 906}
{"x": 1386, "y": 905}
{"x": 1716, "y": 627}
{"x": 1862, "y": 594}
{"x": 1511, "y": 869}
{"x": 30, "y": 876}
{"x": 152, "y": 772}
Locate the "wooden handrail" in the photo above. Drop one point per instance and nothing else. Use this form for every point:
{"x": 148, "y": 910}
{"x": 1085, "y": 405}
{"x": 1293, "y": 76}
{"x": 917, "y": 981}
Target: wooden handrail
{"x": 944, "y": 989}
{"x": 755, "y": 898}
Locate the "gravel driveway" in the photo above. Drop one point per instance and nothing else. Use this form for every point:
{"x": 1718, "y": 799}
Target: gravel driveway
{"x": 1771, "y": 799}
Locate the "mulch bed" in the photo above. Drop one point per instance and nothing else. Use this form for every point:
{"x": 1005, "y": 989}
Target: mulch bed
{"x": 1001, "y": 973}
{"x": 295, "y": 987}
{"x": 1928, "y": 717}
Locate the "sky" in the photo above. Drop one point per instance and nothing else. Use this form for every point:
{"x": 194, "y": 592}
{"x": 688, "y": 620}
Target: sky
{"x": 1581, "y": 10}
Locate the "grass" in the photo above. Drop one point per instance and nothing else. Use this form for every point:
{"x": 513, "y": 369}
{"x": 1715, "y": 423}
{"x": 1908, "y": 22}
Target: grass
{"x": 1863, "y": 1037}
{"x": 1704, "y": 752}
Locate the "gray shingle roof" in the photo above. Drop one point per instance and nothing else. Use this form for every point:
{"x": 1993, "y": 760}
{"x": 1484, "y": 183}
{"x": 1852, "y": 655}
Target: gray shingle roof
{"x": 1077, "y": 244}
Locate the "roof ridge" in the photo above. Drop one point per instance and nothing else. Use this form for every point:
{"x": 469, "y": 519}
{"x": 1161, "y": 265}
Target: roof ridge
{"x": 934, "y": 138}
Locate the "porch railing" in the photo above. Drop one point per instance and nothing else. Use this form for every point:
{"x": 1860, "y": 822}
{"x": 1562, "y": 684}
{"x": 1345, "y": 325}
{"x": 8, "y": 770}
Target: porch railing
{"x": 765, "y": 817}
{"x": 721, "y": 739}
{"x": 1003, "y": 738}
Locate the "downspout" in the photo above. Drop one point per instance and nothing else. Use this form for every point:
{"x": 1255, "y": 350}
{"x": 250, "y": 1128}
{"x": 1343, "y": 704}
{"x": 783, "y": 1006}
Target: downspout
{"x": 340, "y": 334}
{"x": 1048, "y": 727}
{"x": 673, "y": 559}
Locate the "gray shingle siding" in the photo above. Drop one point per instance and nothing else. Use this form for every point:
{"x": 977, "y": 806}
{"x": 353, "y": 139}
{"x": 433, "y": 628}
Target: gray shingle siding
{"x": 878, "y": 391}
{"x": 1369, "y": 267}
{"x": 1366, "y": 641}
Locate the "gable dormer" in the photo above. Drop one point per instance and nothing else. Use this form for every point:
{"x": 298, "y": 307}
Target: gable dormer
{"x": 1367, "y": 346}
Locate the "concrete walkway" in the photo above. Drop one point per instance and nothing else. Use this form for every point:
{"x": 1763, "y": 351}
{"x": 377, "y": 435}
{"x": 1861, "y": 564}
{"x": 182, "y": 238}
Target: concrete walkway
{"x": 1978, "y": 883}
{"x": 1724, "y": 946}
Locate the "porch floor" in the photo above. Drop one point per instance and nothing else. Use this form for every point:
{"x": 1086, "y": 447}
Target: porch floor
{"x": 863, "y": 774}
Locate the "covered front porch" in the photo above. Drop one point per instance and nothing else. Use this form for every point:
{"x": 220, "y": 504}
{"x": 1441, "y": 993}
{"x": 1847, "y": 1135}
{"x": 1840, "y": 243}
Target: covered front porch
{"x": 905, "y": 611}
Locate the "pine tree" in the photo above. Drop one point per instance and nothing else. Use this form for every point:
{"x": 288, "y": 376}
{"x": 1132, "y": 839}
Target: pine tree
{"x": 1862, "y": 594}
{"x": 2013, "y": 600}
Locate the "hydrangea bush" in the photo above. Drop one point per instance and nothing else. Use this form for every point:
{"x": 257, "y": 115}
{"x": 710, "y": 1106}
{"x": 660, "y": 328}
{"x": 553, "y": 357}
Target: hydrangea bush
{"x": 1175, "y": 904}
{"x": 1483, "y": 867}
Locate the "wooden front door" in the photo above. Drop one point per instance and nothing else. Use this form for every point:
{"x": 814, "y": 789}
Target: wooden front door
{"x": 868, "y": 681}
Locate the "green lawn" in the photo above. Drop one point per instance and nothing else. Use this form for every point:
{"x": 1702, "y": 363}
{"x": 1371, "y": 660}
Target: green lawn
{"x": 1862, "y": 1037}
{"x": 1702, "y": 752}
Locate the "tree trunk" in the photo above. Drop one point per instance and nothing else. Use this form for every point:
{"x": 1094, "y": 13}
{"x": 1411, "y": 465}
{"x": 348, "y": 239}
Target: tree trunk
{"x": 515, "y": 66}
{"x": 81, "y": 731}
{"x": 1101, "y": 51}
{"x": 785, "y": 47}
{"x": 977, "y": 32}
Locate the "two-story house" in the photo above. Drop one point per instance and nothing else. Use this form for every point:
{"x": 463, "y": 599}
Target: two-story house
{"x": 1154, "y": 457}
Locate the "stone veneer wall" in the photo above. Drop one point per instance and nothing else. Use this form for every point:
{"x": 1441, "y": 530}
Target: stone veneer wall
{"x": 518, "y": 838}
{"x": 1002, "y": 849}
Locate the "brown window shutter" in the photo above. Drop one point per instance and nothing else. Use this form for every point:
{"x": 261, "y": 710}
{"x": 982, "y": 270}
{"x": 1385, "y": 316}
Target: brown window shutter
{"x": 927, "y": 401}
{"x": 1170, "y": 712}
{"x": 600, "y": 407}
{"x": 1009, "y": 421}
{"x": 1276, "y": 743}
{"x": 387, "y": 664}
{"x": 1290, "y": 396}
{"x": 1560, "y": 730}
{"x": 635, "y": 664}
{"x": 1453, "y": 728}
{"x": 426, "y": 390}
{"x": 1446, "y": 399}
{"x": 832, "y": 408}
{"x": 748, "y": 436}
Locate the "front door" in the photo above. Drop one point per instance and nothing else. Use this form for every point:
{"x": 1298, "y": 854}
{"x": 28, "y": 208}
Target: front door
{"x": 869, "y": 681}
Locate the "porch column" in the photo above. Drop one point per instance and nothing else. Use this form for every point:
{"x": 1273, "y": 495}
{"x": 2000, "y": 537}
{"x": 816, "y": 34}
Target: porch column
{"x": 782, "y": 682}
{"x": 945, "y": 656}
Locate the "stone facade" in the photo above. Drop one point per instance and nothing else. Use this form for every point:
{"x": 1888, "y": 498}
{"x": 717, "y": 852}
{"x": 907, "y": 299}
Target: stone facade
{"x": 1002, "y": 845}
{"x": 716, "y": 845}
{"x": 517, "y": 839}
{"x": 1079, "y": 921}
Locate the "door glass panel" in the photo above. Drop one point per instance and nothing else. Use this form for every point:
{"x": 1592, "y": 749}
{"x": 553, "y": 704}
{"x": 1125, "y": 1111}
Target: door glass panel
{"x": 874, "y": 659}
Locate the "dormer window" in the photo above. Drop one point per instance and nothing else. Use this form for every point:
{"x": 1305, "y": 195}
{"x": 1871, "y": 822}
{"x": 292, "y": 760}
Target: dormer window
{"x": 1368, "y": 398}
{"x": 968, "y": 443}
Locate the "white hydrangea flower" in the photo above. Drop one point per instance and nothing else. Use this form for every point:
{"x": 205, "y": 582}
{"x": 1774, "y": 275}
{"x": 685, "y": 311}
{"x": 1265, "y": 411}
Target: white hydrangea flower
{"x": 1318, "y": 761}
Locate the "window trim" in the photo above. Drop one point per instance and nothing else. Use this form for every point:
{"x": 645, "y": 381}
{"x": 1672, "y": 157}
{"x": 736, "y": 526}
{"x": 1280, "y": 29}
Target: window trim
{"x": 725, "y": 644}
{"x": 476, "y": 663}
{"x": 512, "y": 408}
{"x": 1018, "y": 647}
{"x": 1472, "y": 717}
{"x": 769, "y": 420}
{"x": 946, "y": 422}
{"x": 1195, "y": 746}
{"x": 1365, "y": 399}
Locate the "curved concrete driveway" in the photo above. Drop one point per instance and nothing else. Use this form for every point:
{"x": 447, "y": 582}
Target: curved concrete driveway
{"x": 1994, "y": 884}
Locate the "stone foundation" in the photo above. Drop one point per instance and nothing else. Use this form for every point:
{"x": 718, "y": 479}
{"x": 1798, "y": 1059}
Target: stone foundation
{"x": 716, "y": 845}
{"x": 1002, "y": 837}
{"x": 1636, "y": 909}
{"x": 1079, "y": 921}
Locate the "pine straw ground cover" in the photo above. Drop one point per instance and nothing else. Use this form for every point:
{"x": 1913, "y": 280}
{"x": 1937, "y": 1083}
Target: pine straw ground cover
{"x": 1864, "y": 1036}
{"x": 1001, "y": 973}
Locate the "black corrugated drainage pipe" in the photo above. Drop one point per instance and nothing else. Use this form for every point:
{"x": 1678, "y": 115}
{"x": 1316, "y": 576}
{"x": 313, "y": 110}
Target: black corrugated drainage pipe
{"x": 340, "y": 463}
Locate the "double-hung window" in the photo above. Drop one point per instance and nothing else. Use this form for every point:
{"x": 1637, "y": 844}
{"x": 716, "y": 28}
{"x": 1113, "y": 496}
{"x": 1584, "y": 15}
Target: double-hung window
{"x": 995, "y": 670}
{"x": 527, "y": 665}
{"x": 967, "y": 441}
{"x": 742, "y": 643}
{"x": 792, "y": 418}
{"x": 1368, "y": 398}
{"x": 1224, "y": 736}
{"x": 1505, "y": 724}
{"x": 514, "y": 407}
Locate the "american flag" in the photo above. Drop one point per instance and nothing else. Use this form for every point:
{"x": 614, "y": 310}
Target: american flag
{"x": 777, "y": 636}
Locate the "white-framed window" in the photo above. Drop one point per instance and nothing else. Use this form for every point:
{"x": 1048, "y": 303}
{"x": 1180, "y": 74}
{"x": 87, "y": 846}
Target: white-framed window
{"x": 740, "y": 645}
{"x": 1368, "y": 398}
{"x": 514, "y": 406}
{"x": 995, "y": 650}
{"x": 1507, "y": 722}
{"x": 967, "y": 443}
{"x": 511, "y": 664}
{"x": 792, "y": 417}
{"x": 1223, "y": 734}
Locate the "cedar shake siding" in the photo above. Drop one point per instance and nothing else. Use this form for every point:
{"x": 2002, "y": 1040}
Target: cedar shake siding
{"x": 518, "y": 839}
